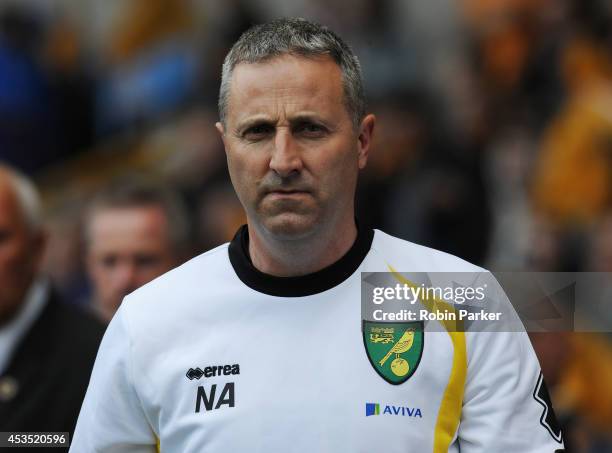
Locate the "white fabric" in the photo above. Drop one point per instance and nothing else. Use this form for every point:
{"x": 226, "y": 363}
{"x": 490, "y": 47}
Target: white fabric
{"x": 304, "y": 375}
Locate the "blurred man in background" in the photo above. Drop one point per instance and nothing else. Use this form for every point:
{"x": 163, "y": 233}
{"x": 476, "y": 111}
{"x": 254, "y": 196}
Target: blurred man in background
{"x": 135, "y": 232}
{"x": 47, "y": 349}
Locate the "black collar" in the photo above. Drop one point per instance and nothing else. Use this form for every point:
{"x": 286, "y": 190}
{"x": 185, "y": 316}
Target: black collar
{"x": 304, "y": 285}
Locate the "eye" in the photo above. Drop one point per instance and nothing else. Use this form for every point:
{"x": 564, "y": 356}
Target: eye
{"x": 109, "y": 261}
{"x": 258, "y": 132}
{"x": 146, "y": 260}
{"x": 310, "y": 130}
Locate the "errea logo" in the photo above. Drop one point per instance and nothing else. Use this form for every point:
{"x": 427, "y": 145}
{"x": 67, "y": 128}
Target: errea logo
{"x": 210, "y": 398}
{"x": 211, "y": 371}
{"x": 400, "y": 411}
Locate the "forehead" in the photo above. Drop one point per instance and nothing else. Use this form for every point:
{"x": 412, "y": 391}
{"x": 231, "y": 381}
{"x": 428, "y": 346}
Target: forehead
{"x": 286, "y": 84}
{"x": 126, "y": 224}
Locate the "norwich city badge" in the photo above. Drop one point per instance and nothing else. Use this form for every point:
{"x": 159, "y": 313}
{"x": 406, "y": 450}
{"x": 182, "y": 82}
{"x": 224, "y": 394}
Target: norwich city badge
{"x": 394, "y": 348}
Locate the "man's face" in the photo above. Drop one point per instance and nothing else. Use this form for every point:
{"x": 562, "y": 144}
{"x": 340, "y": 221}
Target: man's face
{"x": 127, "y": 248}
{"x": 20, "y": 252}
{"x": 292, "y": 151}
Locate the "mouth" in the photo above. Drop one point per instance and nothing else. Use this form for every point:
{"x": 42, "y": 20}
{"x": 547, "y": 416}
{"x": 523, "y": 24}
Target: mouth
{"x": 287, "y": 193}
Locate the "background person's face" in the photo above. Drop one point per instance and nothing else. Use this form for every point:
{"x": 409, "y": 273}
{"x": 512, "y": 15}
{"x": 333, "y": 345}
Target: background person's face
{"x": 128, "y": 247}
{"x": 20, "y": 252}
{"x": 292, "y": 152}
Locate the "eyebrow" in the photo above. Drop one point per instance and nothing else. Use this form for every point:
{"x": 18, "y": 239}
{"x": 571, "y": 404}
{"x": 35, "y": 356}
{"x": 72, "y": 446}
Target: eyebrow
{"x": 294, "y": 120}
{"x": 253, "y": 121}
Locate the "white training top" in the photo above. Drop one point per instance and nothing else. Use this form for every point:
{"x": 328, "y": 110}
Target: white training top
{"x": 215, "y": 356}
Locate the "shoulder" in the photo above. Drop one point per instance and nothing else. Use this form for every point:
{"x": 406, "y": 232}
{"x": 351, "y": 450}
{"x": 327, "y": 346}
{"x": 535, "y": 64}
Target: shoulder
{"x": 183, "y": 286}
{"x": 402, "y": 255}
{"x": 193, "y": 272}
{"x": 64, "y": 334}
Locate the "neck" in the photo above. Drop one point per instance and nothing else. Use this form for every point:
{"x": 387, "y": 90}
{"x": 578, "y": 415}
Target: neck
{"x": 283, "y": 257}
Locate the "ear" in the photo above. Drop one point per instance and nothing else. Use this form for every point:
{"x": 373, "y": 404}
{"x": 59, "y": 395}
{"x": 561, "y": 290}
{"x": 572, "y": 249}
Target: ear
{"x": 364, "y": 141}
{"x": 221, "y": 131}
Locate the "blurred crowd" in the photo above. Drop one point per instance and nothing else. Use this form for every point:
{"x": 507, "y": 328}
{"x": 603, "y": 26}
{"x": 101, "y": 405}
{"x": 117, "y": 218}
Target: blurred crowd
{"x": 493, "y": 143}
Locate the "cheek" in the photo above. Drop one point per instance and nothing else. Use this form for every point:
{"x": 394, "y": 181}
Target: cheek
{"x": 103, "y": 275}
{"x": 15, "y": 261}
{"x": 245, "y": 170}
{"x": 338, "y": 173}
{"x": 146, "y": 274}
{"x": 16, "y": 272}
{"x": 236, "y": 167}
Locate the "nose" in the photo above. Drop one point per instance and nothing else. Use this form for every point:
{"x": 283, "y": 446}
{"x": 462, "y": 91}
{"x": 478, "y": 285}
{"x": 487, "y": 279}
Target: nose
{"x": 286, "y": 159}
{"x": 125, "y": 277}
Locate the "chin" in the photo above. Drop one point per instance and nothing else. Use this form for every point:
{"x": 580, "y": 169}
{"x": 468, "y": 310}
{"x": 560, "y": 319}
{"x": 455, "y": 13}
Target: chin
{"x": 291, "y": 225}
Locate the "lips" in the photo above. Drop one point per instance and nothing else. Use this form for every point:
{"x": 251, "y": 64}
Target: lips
{"x": 281, "y": 190}
{"x": 287, "y": 192}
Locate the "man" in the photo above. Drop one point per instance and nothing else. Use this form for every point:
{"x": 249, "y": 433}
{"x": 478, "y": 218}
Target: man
{"x": 257, "y": 345}
{"x": 47, "y": 349}
{"x": 134, "y": 232}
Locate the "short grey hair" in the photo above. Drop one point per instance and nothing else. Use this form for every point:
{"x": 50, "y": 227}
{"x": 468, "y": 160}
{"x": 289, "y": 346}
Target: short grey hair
{"x": 295, "y": 37}
{"x": 137, "y": 192}
{"x": 27, "y": 196}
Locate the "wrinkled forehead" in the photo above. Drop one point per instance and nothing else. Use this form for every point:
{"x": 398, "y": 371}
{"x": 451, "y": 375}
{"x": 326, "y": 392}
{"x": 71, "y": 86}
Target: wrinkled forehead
{"x": 286, "y": 84}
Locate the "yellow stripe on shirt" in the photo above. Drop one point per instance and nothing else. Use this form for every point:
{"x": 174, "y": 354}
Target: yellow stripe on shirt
{"x": 449, "y": 414}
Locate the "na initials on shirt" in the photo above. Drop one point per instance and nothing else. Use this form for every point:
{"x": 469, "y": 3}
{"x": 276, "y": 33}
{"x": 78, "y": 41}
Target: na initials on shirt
{"x": 226, "y": 397}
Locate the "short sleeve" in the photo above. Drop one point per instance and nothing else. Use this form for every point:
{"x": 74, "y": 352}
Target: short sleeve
{"x": 112, "y": 418}
{"x": 506, "y": 405}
